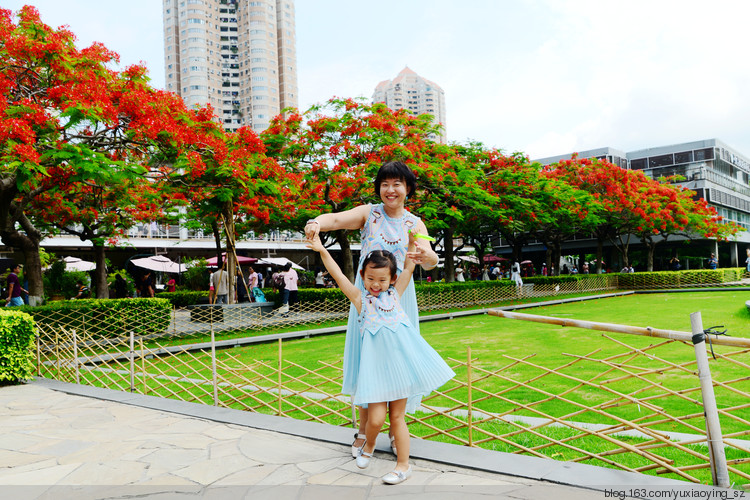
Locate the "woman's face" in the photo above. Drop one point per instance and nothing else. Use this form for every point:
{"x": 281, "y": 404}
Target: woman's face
{"x": 393, "y": 192}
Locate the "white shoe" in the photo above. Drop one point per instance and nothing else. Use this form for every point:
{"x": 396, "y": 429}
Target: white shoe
{"x": 356, "y": 450}
{"x": 363, "y": 460}
{"x": 397, "y": 476}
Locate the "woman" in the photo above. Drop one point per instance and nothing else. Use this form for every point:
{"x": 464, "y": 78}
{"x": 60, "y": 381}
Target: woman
{"x": 460, "y": 274}
{"x": 384, "y": 227}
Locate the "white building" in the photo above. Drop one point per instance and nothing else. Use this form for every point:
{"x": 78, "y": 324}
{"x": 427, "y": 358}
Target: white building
{"x": 239, "y": 56}
{"x": 419, "y": 95}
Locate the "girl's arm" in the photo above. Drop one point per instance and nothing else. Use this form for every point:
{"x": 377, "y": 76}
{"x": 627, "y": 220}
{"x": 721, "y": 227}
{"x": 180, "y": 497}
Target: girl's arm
{"x": 403, "y": 279}
{"x": 423, "y": 254}
{"x": 350, "y": 219}
{"x": 352, "y": 292}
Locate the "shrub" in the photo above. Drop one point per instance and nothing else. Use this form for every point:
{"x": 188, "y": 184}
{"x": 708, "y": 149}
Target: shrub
{"x": 184, "y": 298}
{"x": 104, "y": 317}
{"x": 17, "y": 333}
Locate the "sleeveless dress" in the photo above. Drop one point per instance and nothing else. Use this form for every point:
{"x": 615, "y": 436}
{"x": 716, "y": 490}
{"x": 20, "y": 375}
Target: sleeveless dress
{"x": 396, "y": 361}
{"x": 380, "y": 232}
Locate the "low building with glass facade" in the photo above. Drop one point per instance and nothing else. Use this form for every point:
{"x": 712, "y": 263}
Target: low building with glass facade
{"x": 715, "y": 171}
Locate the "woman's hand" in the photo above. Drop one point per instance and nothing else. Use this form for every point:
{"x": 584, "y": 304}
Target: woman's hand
{"x": 312, "y": 229}
{"x": 418, "y": 255}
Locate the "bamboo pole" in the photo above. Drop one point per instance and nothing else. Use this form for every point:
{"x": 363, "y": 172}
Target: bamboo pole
{"x": 279, "y": 381}
{"x": 143, "y": 365}
{"x": 57, "y": 352}
{"x": 719, "y": 470}
{"x": 38, "y": 353}
{"x": 611, "y": 327}
{"x": 132, "y": 361}
{"x": 469, "y": 403}
{"x": 75, "y": 358}
{"x": 214, "y": 375}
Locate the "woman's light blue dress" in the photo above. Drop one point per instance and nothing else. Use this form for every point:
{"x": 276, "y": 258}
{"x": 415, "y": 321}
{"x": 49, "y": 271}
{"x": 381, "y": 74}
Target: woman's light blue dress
{"x": 380, "y": 232}
{"x": 396, "y": 362}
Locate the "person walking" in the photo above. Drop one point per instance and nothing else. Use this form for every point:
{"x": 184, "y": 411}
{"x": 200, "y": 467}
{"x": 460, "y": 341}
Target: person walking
{"x": 14, "y": 287}
{"x": 220, "y": 283}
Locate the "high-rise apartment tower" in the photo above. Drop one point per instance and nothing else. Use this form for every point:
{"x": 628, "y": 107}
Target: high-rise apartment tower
{"x": 419, "y": 95}
{"x": 239, "y": 56}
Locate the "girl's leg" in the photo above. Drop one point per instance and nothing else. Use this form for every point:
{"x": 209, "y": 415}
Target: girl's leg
{"x": 375, "y": 420}
{"x": 397, "y": 413}
{"x": 362, "y": 426}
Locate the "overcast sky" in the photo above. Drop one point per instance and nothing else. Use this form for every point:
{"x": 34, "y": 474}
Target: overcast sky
{"x": 543, "y": 77}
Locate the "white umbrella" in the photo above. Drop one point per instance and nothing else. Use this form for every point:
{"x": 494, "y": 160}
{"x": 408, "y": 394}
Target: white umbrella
{"x": 76, "y": 264}
{"x": 279, "y": 261}
{"x": 159, "y": 263}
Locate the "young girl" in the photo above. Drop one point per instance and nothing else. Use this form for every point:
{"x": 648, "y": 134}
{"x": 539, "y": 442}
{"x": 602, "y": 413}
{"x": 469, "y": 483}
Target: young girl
{"x": 397, "y": 366}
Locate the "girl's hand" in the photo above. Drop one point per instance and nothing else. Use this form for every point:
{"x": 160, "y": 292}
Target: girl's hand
{"x": 418, "y": 256}
{"x": 312, "y": 229}
{"x": 315, "y": 244}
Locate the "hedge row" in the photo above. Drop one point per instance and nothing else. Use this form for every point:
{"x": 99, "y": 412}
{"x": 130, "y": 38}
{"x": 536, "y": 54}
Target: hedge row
{"x": 17, "y": 354}
{"x": 679, "y": 279}
{"x": 105, "y": 317}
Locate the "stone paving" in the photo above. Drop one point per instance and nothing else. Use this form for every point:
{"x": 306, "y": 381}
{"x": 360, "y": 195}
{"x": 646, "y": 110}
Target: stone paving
{"x": 57, "y": 445}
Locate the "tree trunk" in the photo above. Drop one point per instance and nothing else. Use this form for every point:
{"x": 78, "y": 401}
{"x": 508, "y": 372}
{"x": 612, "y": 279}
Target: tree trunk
{"x": 32, "y": 271}
{"x": 557, "y": 257}
{"x": 231, "y": 264}
{"x": 450, "y": 265}
{"x": 599, "y": 254}
{"x": 100, "y": 273}
{"x": 650, "y": 256}
{"x": 28, "y": 243}
{"x": 346, "y": 254}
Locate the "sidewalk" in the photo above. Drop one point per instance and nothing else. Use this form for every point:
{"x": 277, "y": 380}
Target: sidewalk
{"x": 66, "y": 441}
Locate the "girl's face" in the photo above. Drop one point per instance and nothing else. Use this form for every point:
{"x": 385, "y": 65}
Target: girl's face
{"x": 393, "y": 192}
{"x": 377, "y": 279}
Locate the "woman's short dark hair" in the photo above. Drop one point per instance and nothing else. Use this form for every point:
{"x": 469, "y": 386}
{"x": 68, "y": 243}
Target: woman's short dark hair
{"x": 396, "y": 170}
{"x": 380, "y": 259}
{"x": 287, "y": 266}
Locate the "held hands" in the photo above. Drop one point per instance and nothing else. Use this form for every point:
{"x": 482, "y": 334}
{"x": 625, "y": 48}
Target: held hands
{"x": 312, "y": 229}
{"x": 314, "y": 243}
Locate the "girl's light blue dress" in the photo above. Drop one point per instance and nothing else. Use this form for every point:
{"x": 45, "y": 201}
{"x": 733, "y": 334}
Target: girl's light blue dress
{"x": 380, "y": 232}
{"x": 396, "y": 362}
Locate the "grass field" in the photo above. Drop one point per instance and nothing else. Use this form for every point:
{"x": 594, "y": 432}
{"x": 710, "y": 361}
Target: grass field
{"x": 496, "y": 346}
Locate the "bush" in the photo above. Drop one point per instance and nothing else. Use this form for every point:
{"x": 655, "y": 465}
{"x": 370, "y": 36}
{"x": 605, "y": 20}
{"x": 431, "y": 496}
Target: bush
{"x": 104, "y": 317}
{"x": 196, "y": 277}
{"x": 58, "y": 281}
{"x": 17, "y": 354}
{"x": 185, "y": 298}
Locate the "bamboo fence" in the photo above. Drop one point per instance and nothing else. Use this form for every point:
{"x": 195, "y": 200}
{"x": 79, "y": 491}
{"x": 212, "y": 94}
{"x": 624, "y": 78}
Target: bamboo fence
{"x": 633, "y": 405}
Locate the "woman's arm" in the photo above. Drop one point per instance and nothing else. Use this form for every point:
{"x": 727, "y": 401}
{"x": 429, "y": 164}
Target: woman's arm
{"x": 423, "y": 254}
{"x": 350, "y": 219}
{"x": 403, "y": 279}
{"x": 352, "y": 292}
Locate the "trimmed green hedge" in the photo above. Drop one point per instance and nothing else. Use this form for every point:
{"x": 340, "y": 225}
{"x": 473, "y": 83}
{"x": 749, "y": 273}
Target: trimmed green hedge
{"x": 678, "y": 279}
{"x": 105, "y": 317}
{"x": 17, "y": 350}
{"x": 185, "y": 298}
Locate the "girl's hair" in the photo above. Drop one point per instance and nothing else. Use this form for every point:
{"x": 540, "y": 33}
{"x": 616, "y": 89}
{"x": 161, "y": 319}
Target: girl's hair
{"x": 396, "y": 170}
{"x": 380, "y": 259}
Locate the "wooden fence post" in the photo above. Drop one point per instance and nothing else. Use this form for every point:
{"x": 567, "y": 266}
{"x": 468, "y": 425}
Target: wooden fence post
{"x": 719, "y": 470}
{"x": 57, "y": 352}
{"x": 469, "y": 401}
{"x": 143, "y": 366}
{"x": 279, "y": 383}
{"x": 132, "y": 361}
{"x": 75, "y": 357}
{"x": 38, "y": 353}
{"x": 214, "y": 375}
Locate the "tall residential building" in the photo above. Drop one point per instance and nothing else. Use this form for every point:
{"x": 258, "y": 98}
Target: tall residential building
{"x": 239, "y": 56}
{"x": 419, "y": 95}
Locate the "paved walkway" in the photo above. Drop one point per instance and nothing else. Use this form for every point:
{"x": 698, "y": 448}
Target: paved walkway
{"x": 56, "y": 444}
